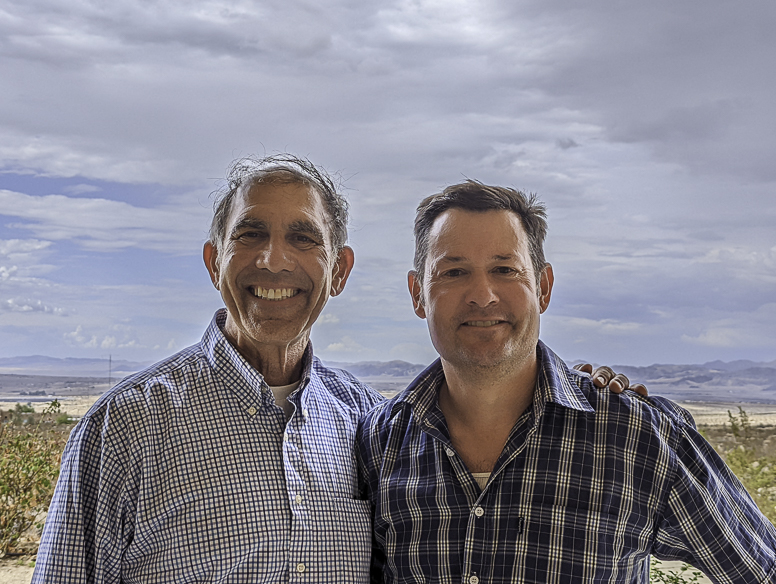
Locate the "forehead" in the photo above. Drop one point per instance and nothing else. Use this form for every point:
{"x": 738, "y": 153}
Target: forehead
{"x": 279, "y": 203}
{"x": 474, "y": 234}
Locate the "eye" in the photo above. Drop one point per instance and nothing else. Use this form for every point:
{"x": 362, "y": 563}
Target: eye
{"x": 304, "y": 240}
{"x": 504, "y": 270}
{"x": 453, "y": 273}
{"x": 248, "y": 235}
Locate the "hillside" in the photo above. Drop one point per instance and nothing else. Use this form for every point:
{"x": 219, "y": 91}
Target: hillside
{"x": 714, "y": 382}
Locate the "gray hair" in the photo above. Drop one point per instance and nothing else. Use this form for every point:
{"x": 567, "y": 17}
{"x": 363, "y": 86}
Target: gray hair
{"x": 474, "y": 196}
{"x": 280, "y": 169}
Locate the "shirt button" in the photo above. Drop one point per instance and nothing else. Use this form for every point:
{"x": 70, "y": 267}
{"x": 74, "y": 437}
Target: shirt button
{"x": 304, "y": 413}
{"x": 474, "y": 580}
{"x": 298, "y": 499}
{"x": 479, "y": 512}
{"x": 449, "y": 451}
{"x": 301, "y": 568}
{"x": 251, "y": 410}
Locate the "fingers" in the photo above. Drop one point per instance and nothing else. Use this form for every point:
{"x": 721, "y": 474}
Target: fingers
{"x": 619, "y": 383}
{"x": 616, "y": 382}
{"x": 602, "y": 376}
{"x": 584, "y": 367}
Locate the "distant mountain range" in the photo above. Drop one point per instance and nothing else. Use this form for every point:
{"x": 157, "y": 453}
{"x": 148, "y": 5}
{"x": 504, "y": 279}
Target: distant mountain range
{"x": 716, "y": 381}
{"x": 70, "y": 366}
{"x": 368, "y": 369}
{"x": 736, "y": 381}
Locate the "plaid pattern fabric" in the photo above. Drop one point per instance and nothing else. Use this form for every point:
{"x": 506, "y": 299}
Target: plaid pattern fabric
{"x": 188, "y": 472}
{"x": 588, "y": 486}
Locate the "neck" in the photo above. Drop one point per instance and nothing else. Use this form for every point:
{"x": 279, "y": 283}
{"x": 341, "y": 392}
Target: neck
{"x": 279, "y": 364}
{"x": 481, "y": 398}
{"x": 490, "y": 393}
{"x": 481, "y": 410}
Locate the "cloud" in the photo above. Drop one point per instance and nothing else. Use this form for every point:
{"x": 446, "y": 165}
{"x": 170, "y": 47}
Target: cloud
{"x": 648, "y": 129}
{"x": 716, "y": 337}
{"x": 692, "y": 85}
{"x": 345, "y": 345}
{"x": 12, "y": 248}
{"x": 328, "y": 318}
{"x": 605, "y": 326}
{"x": 412, "y": 353}
{"x": 26, "y": 255}
{"x": 80, "y": 189}
{"x": 6, "y": 273}
{"x": 78, "y": 338}
{"x": 104, "y": 224}
{"x": 29, "y": 305}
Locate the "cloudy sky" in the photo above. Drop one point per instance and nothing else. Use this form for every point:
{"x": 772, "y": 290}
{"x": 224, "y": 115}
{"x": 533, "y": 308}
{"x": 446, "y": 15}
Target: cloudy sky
{"x": 648, "y": 128}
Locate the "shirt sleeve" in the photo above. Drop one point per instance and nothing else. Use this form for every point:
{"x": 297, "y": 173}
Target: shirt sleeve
{"x": 86, "y": 526}
{"x": 710, "y": 521}
{"x": 369, "y": 452}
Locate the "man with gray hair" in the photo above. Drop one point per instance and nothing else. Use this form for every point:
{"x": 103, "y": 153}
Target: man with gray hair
{"x": 233, "y": 460}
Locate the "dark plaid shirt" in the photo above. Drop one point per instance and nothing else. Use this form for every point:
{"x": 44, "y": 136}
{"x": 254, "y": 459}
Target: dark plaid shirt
{"x": 588, "y": 485}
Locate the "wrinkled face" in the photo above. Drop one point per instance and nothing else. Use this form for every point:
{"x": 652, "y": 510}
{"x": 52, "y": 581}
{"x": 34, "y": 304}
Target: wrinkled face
{"x": 276, "y": 268}
{"x": 479, "y": 291}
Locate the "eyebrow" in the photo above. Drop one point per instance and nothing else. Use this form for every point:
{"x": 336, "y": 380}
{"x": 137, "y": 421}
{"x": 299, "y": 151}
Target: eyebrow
{"x": 248, "y": 223}
{"x": 458, "y": 259}
{"x": 307, "y": 227}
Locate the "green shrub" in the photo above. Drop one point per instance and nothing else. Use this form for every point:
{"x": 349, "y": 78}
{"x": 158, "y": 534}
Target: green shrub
{"x": 685, "y": 575}
{"x": 29, "y": 466}
{"x": 757, "y": 473}
{"x": 64, "y": 419}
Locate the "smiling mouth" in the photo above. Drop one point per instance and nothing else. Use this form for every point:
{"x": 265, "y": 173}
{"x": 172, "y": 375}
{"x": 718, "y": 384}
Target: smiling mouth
{"x": 482, "y": 323}
{"x": 274, "y": 293}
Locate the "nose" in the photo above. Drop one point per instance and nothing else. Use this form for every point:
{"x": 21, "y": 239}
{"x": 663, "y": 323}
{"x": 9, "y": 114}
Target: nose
{"x": 275, "y": 257}
{"x": 481, "y": 292}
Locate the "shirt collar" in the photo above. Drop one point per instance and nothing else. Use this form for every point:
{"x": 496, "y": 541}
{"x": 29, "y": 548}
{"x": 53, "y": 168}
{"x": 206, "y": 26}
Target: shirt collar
{"x": 228, "y": 363}
{"x": 556, "y": 383}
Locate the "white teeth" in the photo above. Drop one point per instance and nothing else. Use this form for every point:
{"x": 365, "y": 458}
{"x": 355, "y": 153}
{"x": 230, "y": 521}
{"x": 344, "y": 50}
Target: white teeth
{"x": 482, "y": 322}
{"x": 274, "y": 293}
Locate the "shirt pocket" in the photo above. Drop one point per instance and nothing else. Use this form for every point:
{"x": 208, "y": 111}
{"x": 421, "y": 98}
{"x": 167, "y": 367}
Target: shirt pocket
{"x": 571, "y": 540}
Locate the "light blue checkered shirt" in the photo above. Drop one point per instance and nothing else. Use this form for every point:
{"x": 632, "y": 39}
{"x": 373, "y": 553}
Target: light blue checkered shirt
{"x": 188, "y": 472}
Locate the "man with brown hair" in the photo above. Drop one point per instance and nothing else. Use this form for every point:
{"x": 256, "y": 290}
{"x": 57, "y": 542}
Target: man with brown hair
{"x": 500, "y": 464}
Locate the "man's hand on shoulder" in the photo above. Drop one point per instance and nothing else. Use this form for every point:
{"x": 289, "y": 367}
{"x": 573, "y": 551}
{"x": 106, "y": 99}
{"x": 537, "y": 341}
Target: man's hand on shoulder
{"x": 605, "y": 377}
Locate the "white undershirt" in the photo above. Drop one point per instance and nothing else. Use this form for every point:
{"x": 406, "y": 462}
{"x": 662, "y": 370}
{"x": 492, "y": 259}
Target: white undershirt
{"x": 481, "y": 478}
{"x": 281, "y": 394}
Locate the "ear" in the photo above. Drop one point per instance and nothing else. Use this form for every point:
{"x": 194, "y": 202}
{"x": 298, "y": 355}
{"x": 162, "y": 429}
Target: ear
{"x": 545, "y": 287}
{"x": 342, "y": 269}
{"x": 416, "y": 291}
{"x": 210, "y": 255}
